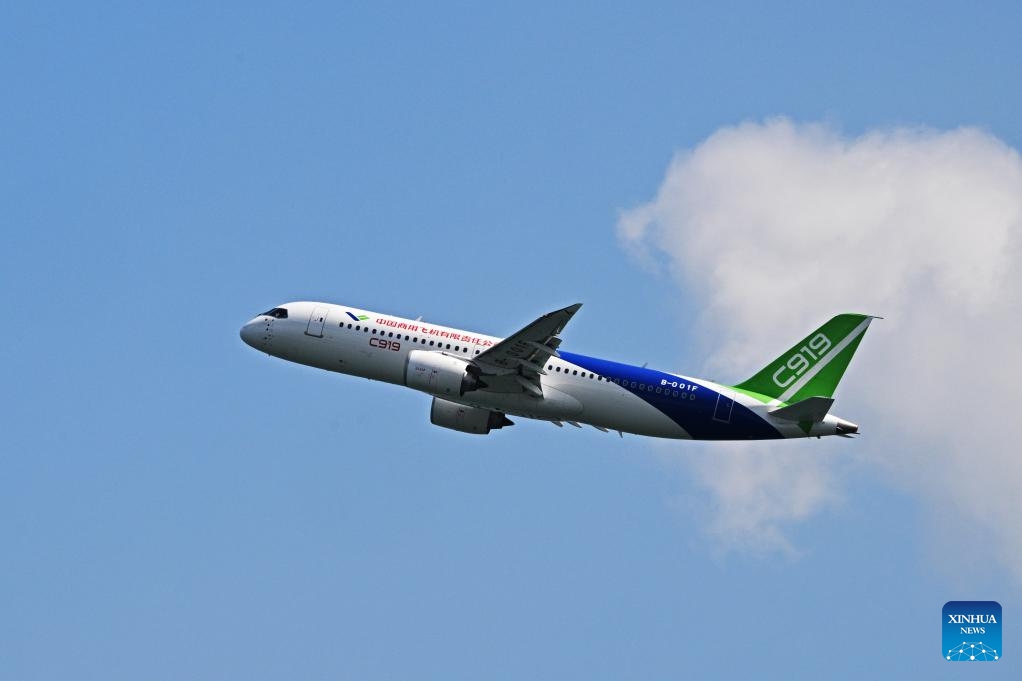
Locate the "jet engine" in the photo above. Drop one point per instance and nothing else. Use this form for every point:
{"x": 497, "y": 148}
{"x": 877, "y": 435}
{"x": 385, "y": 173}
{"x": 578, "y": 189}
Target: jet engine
{"x": 440, "y": 374}
{"x": 447, "y": 414}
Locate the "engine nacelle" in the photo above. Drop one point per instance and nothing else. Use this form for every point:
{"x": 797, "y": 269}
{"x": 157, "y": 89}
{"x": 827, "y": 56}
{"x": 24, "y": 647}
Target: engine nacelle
{"x": 447, "y": 414}
{"x": 440, "y": 374}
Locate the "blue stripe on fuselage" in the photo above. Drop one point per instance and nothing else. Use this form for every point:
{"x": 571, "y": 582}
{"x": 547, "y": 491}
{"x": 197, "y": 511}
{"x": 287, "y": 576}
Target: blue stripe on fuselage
{"x": 696, "y": 416}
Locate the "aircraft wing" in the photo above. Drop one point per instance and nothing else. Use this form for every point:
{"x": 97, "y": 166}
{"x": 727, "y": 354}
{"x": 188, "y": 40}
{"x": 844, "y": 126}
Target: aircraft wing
{"x": 516, "y": 363}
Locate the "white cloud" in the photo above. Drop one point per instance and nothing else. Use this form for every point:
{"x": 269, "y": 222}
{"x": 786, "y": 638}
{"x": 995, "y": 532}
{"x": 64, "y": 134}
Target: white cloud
{"x": 754, "y": 491}
{"x": 774, "y": 227}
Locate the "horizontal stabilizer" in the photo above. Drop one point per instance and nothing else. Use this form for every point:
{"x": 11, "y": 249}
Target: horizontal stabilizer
{"x": 811, "y": 409}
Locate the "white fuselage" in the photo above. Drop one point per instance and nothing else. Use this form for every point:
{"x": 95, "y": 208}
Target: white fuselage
{"x": 575, "y": 388}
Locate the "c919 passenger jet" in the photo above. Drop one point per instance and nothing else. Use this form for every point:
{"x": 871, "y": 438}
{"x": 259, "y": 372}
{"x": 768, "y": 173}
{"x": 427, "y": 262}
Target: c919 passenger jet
{"x": 476, "y": 380}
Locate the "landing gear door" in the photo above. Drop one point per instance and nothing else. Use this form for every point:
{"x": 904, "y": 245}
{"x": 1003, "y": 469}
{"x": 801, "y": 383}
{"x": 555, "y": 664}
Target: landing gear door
{"x": 725, "y": 405}
{"x": 316, "y": 321}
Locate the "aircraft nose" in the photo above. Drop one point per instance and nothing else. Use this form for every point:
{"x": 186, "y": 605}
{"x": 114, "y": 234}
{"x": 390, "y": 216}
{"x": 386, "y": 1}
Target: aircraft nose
{"x": 252, "y": 334}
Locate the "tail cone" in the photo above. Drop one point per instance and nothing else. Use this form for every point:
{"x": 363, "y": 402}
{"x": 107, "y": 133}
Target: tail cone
{"x": 846, "y": 428}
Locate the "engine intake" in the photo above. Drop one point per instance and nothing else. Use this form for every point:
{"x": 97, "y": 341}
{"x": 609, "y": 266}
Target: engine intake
{"x": 447, "y": 414}
{"x": 440, "y": 374}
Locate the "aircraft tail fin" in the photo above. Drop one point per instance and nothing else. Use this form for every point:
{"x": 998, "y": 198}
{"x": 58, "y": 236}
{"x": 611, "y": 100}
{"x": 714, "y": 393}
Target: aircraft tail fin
{"x": 813, "y": 366}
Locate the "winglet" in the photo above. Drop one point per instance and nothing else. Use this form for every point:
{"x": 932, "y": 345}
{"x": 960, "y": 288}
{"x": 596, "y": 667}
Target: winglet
{"x": 569, "y": 312}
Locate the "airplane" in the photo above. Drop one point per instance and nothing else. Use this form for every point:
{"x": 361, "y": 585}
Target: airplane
{"x": 477, "y": 381}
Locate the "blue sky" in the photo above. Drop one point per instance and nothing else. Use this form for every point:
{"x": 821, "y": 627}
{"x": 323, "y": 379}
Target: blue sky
{"x": 174, "y": 505}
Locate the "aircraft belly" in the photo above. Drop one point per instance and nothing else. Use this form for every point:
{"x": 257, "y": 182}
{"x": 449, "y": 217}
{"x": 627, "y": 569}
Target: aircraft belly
{"x": 611, "y": 407}
{"x": 556, "y": 404}
{"x": 700, "y": 411}
{"x": 343, "y": 354}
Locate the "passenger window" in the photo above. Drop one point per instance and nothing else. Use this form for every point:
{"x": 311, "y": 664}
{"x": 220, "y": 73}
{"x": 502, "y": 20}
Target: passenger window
{"x": 431, "y": 342}
{"x": 358, "y": 328}
{"x": 374, "y": 332}
{"x": 456, "y": 348}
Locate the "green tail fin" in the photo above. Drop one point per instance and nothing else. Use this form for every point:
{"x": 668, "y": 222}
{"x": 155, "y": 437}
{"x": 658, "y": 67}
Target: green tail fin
{"x": 813, "y": 367}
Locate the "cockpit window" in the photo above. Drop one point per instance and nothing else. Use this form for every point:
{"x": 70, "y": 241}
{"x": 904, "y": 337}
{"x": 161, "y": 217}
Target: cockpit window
{"x": 277, "y": 313}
